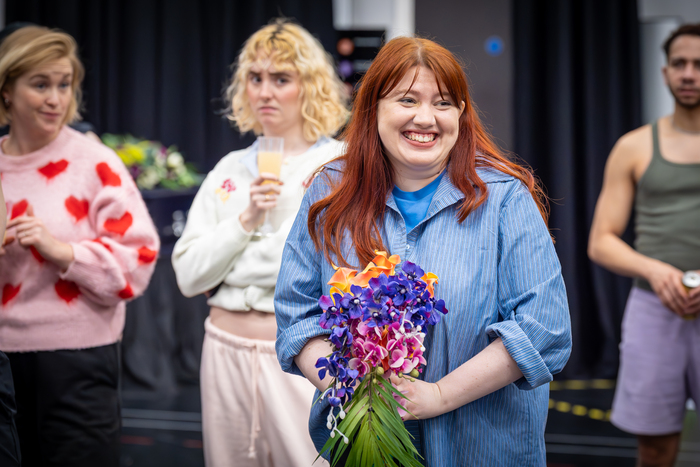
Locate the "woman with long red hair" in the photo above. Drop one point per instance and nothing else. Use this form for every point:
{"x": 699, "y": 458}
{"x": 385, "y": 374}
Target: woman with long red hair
{"x": 422, "y": 179}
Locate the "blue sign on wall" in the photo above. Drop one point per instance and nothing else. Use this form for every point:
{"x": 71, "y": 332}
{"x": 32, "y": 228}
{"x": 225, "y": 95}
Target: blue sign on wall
{"x": 494, "y": 46}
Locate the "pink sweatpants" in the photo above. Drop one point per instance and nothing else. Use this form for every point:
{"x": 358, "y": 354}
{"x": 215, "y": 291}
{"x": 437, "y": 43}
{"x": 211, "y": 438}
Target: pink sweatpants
{"x": 253, "y": 414}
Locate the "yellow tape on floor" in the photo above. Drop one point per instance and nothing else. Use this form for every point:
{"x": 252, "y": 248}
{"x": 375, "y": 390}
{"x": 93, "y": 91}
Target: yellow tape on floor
{"x": 579, "y": 410}
{"x": 580, "y": 384}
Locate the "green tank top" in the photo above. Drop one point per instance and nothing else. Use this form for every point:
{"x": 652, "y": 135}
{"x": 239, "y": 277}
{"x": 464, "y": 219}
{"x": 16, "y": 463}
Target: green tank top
{"x": 667, "y": 204}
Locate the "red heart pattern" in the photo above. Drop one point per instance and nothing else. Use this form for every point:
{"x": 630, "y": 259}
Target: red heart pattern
{"x": 106, "y": 175}
{"x": 146, "y": 255}
{"x": 37, "y": 256}
{"x": 126, "y": 293}
{"x": 98, "y": 240}
{"x": 9, "y": 292}
{"x": 67, "y": 290}
{"x": 119, "y": 226}
{"x": 52, "y": 169}
{"x": 77, "y": 208}
{"x": 19, "y": 208}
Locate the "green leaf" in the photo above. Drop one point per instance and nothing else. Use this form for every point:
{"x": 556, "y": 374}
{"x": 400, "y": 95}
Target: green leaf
{"x": 387, "y": 397}
{"x": 396, "y": 427}
{"x": 352, "y": 420}
{"x": 377, "y": 433}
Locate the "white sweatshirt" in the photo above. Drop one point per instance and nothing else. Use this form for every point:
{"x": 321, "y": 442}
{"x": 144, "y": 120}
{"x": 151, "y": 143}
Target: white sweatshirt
{"x": 215, "y": 248}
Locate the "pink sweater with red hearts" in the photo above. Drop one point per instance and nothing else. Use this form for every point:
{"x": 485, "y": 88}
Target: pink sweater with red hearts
{"x": 84, "y": 195}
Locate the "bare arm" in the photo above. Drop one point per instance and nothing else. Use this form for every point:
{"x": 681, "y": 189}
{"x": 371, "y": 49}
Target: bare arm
{"x": 488, "y": 371}
{"x": 612, "y": 213}
{"x": 306, "y": 360}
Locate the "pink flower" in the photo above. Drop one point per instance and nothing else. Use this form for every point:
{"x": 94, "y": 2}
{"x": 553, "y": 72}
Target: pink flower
{"x": 358, "y": 347}
{"x": 398, "y": 356}
{"x": 406, "y": 353}
{"x": 361, "y": 367}
{"x": 366, "y": 354}
{"x": 374, "y": 353}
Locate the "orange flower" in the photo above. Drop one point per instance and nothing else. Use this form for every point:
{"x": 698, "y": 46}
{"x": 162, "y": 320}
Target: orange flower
{"x": 364, "y": 277}
{"x": 342, "y": 280}
{"x": 385, "y": 264}
{"x": 345, "y": 277}
{"x": 380, "y": 264}
{"x": 430, "y": 279}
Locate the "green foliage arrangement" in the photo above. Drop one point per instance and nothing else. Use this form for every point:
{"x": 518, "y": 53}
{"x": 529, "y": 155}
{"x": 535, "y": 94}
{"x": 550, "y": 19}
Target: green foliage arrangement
{"x": 151, "y": 164}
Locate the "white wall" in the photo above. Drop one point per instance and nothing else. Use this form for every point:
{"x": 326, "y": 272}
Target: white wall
{"x": 657, "y": 19}
{"x": 396, "y": 17}
{"x": 687, "y": 11}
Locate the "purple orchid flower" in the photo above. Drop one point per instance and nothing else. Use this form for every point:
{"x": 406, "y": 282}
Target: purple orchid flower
{"x": 412, "y": 271}
{"x": 341, "y": 337}
{"x": 403, "y": 291}
{"x": 352, "y": 302}
{"x": 332, "y": 315}
{"x": 438, "y": 309}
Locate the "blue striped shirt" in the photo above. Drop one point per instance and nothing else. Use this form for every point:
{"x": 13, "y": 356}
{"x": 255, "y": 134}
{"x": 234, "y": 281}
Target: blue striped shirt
{"x": 499, "y": 277}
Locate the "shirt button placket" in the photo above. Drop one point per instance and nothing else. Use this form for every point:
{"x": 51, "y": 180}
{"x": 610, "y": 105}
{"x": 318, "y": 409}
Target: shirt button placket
{"x": 410, "y": 245}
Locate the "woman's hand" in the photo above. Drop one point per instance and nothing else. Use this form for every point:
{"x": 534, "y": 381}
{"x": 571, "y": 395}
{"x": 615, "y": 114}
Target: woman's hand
{"x": 263, "y": 197}
{"x": 423, "y": 400}
{"x": 6, "y": 240}
{"x": 30, "y": 231}
{"x": 490, "y": 370}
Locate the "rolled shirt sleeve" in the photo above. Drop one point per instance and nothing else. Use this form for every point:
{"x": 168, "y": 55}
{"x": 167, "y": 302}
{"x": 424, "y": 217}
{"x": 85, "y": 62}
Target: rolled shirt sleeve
{"x": 532, "y": 300}
{"x": 299, "y": 287}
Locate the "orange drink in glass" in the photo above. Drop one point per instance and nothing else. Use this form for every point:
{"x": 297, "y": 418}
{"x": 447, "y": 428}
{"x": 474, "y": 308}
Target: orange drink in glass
{"x": 270, "y": 151}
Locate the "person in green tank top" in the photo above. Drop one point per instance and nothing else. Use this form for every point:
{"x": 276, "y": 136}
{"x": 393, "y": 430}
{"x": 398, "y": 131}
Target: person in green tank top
{"x": 655, "y": 169}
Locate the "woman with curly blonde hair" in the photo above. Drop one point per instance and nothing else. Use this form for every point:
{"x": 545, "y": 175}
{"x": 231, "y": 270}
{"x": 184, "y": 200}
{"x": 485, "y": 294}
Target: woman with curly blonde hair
{"x": 284, "y": 85}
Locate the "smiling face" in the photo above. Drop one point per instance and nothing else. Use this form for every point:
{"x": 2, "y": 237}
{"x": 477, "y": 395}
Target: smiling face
{"x": 274, "y": 96}
{"x": 682, "y": 74}
{"x": 418, "y": 128}
{"x": 39, "y": 99}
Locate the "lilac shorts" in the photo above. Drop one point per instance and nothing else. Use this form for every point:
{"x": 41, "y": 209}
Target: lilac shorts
{"x": 659, "y": 367}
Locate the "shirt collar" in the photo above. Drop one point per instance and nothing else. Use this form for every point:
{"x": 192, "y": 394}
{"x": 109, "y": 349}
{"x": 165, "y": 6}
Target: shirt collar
{"x": 445, "y": 195}
{"x": 448, "y": 194}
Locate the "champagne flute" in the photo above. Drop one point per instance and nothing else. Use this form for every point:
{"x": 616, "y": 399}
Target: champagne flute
{"x": 270, "y": 161}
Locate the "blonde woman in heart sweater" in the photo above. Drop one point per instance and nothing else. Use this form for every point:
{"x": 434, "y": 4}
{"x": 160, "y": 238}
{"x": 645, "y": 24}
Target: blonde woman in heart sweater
{"x": 79, "y": 244}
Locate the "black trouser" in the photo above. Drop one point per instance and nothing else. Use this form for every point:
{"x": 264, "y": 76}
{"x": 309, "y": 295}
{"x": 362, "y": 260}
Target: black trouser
{"x": 9, "y": 441}
{"x": 68, "y": 412}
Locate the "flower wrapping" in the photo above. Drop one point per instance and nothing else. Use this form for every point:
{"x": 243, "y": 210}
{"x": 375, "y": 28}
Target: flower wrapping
{"x": 377, "y": 320}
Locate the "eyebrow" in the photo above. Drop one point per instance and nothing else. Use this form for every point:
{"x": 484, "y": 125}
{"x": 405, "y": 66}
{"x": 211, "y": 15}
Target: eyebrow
{"x": 276, "y": 73}
{"x": 405, "y": 92}
{"x": 46, "y": 76}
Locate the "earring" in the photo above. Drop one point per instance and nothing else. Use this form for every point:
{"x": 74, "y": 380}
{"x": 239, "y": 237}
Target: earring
{"x": 7, "y": 101}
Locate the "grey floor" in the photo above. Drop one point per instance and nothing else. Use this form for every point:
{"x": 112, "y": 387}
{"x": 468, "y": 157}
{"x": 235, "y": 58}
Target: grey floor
{"x": 164, "y": 430}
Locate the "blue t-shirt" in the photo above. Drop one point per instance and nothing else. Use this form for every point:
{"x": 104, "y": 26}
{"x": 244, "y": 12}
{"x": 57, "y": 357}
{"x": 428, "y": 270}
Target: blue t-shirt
{"x": 414, "y": 204}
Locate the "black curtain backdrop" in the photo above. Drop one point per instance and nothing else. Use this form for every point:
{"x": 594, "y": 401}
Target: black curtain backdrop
{"x": 156, "y": 68}
{"x": 577, "y": 90}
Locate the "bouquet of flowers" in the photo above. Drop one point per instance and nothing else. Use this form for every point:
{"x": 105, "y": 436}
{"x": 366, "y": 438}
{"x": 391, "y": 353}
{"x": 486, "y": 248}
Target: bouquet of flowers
{"x": 376, "y": 318}
{"x": 153, "y": 165}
